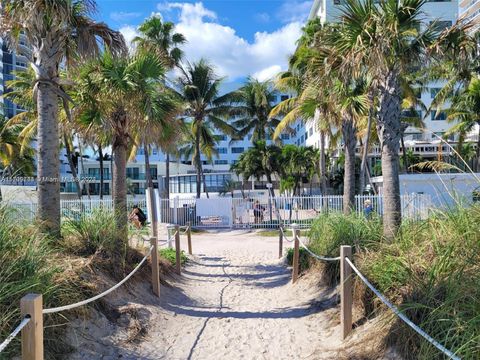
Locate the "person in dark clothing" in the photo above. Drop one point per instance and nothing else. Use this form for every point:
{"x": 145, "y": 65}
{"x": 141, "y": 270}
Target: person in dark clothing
{"x": 258, "y": 212}
{"x": 137, "y": 217}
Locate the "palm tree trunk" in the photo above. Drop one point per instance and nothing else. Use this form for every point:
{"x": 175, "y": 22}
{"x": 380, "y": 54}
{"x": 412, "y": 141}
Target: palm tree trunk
{"x": 48, "y": 167}
{"x": 167, "y": 176}
{"x": 365, "y": 145}
{"x": 323, "y": 167}
{"x": 71, "y": 164}
{"x": 350, "y": 140}
{"x": 83, "y": 165}
{"x": 198, "y": 164}
{"x": 100, "y": 154}
{"x": 389, "y": 129}
{"x": 477, "y": 163}
{"x": 204, "y": 178}
{"x": 111, "y": 176}
{"x": 404, "y": 153}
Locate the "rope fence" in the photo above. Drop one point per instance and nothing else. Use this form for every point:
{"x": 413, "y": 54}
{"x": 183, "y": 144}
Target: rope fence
{"x": 106, "y": 292}
{"x": 14, "y": 333}
{"x": 397, "y": 312}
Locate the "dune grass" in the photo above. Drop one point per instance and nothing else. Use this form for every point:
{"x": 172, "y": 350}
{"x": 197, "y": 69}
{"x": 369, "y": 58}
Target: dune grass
{"x": 431, "y": 271}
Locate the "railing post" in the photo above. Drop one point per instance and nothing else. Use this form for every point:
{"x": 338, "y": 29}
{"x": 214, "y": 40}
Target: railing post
{"x": 280, "y": 241}
{"x": 32, "y": 334}
{"x": 155, "y": 267}
{"x": 189, "y": 237}
{"x": 178, "y": 263}
{"x": 296, "y": 253}
{"x": 169, "y": 239}
{"x": 152, "y": 211}
{"x": 346, "y": 292}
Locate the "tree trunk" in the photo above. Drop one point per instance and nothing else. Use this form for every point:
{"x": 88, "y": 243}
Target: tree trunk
{"x": 389, "y": 130}
{"x": 365, "y": 146}
{"x": 198, "y": 163}
{"x": 167, "y": 176}
{"x": 119, "y": 147}
{"x": 80, "y": 150}
{"x": 205, "y": 185}
{"x": 48, "y": 167}
{"x": 111, "y": 175}
{"x": 323, "y": 167}
{"x": 100, "y": 154}
{"x": 71, "y": 164}
{"x": 404, "y": 153}
{"x": 350, "y": 140}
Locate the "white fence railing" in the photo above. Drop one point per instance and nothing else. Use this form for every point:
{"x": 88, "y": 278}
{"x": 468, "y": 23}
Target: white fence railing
{"x": 230, "y": 212}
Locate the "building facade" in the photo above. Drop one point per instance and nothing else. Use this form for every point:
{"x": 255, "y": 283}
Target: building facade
{"x": 469, "y": 10}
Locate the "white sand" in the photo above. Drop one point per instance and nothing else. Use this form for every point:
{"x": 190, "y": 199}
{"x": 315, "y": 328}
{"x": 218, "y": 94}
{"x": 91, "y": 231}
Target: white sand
{"x": 234, "y": 300}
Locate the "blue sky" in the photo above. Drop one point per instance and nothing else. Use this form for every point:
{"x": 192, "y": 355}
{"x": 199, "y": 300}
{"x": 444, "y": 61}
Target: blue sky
{"x": 240, "y": 37}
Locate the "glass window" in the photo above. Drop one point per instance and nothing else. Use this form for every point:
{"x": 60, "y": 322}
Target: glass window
{"x": 221, "y": 162}
{"x": 285, "y": 136}
{"x": 220, "y": 137}
{"x": 222, "y": 150}
{"x": 434, "y": 92}
{"x": 442, "y": 115}
{"x": 237, "y": 150}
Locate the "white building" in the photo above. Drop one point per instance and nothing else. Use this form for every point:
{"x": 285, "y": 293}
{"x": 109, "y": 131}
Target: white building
{"x": 470, "y": 11}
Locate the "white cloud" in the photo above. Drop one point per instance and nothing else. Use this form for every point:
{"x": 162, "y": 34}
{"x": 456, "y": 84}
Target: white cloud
{"x": 267, "y": 73}
{"x": 262, "y": 17}
{"x": 122, "y": 16}
{"x": 129, "y": 33}
{"x": 233, "y": 55}
{"x": 294, "y": 10}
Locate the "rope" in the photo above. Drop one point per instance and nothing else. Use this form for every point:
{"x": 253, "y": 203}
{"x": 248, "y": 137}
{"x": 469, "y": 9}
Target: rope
{"x": 84, "y": 302}
{"x": 397, "y": 312}
{"x": 14, "y": 333}
{"x": 184, "y": 232}
{"x": 284, "y": 235}
{"x": 315, "y": 255}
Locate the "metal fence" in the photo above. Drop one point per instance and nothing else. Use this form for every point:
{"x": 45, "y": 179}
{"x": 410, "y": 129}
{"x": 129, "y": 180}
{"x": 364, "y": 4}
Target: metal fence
{"x": 227, "y": 212}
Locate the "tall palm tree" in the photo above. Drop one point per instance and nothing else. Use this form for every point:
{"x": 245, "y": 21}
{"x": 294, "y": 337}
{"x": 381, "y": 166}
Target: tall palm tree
{"x": 390, "y": 39}
{"x": 198, "y": 87}
{"x": 129, "y": 98}
{"x": 158, "y": 37}
{"x": 56, "y": 31}
{"x": 251, "y": 107}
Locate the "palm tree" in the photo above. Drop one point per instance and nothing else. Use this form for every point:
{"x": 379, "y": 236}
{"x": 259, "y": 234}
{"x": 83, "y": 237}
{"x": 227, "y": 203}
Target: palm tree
{"x": 389, "y": 39}
{"x": 465, "y": 111}
{"x": 158, "y": 37}
{"x": 251, "y": 106}
{"x": 129, "y": 99}
{"x": 198, "y": 88}
{"x": 56, "y": 31}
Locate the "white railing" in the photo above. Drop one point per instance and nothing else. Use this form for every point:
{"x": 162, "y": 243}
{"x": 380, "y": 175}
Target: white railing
{"x": 227, "y": 212}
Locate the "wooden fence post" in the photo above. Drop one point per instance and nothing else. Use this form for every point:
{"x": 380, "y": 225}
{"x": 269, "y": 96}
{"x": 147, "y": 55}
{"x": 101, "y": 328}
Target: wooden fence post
{"x": 189, "y": 237}
{"x": 155, "y": 267}
{"x": 152, "y": 216}
{"x": 32, "y": 334}
{"x": 280, "y": 241}
{"x": 178, "y": 260}
{"x": 346, "y": 293}
{"x": 296, "y": 253}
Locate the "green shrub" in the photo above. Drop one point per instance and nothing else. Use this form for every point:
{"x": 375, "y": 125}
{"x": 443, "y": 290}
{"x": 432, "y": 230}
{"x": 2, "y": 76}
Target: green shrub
{"x": 29, "y": 264}
{"x": 86, "y": 235}
{"x": 303, "y": 258}
{"x": 431, "y": 271}
{"x": 169, "y": 254}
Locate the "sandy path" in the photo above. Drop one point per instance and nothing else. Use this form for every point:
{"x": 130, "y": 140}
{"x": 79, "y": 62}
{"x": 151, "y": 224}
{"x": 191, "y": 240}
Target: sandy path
{"x": 235, "y": 301}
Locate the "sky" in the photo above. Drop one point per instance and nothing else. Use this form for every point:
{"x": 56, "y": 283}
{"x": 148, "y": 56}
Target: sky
{"x": 239, "y": 37}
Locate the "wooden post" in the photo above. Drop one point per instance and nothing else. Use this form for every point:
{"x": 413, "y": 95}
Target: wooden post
{"x": 155, "y": 267}
{"x": 296, "y": 253}
{"x": 346, "y": 292}
{"x": 32, "y": 334}
{"x": 280, "y": 241}
{"x": 178, "y": 262}
{"x": 152, "y": 216}
{"x": 189, "y": 237}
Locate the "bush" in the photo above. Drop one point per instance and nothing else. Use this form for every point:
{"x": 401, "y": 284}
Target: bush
{"x": 169, "y": 254}
{"x": 86, "y": 235}
{"x": 431, "y": 271}
{"x": 303, "y": 258}
{"x": 29, "y": 264}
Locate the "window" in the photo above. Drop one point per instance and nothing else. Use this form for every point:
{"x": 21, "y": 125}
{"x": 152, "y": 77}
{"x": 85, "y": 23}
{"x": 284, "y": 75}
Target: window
{"x": 234, "y": 162}
{"x": 221, "y": 137}
{"x": 302, "y": 139}
{"x": 306, "y": 135}
{"x": 154, "y": 151}
{"x": 20, "y": 63}
{"x": 310, "y": 131}
{"x": 285, "y": 136}
{"x": 237, "y": 150}
{"x": 442, "y": 115}
{"x": 434, "y": 92}
{"x": 411, "y": 114}
{"x": 441, "y": 25}
{"x": 284, "y": 97}
{"x": 221, "y": 162}
{"x": 133, "y": 173}
{"x": 222, "y": 150}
